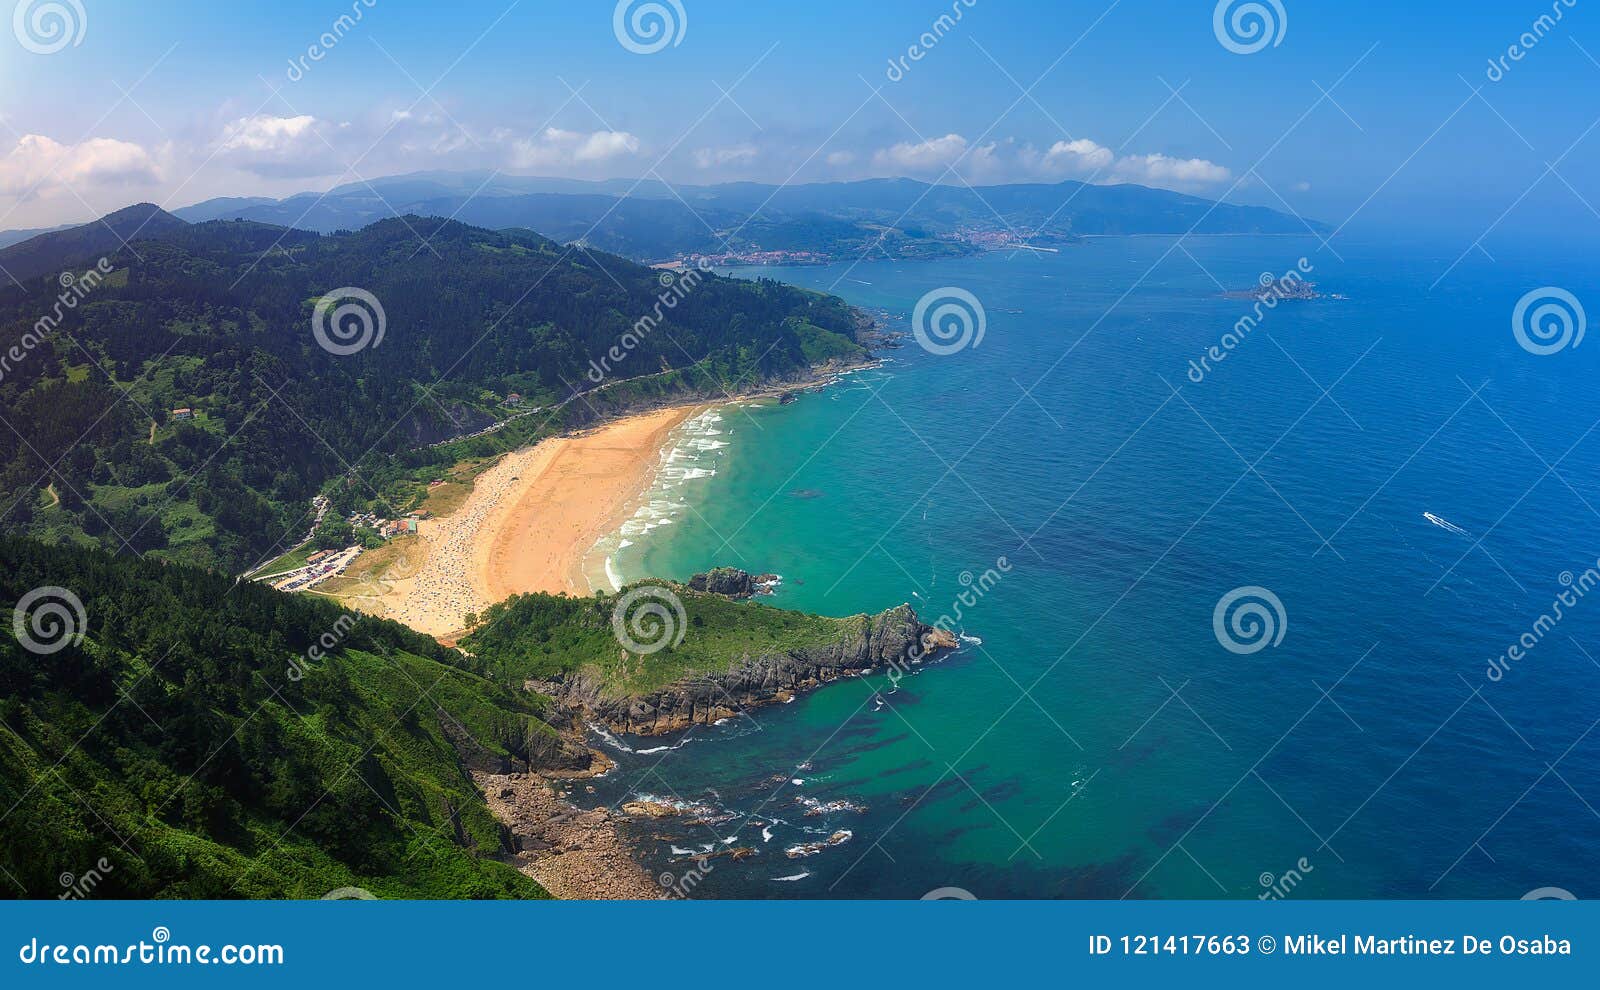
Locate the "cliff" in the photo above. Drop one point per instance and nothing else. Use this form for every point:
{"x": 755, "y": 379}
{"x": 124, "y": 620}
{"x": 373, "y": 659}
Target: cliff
{"x": 895, "y": 637}
{"x": 711, "y": 657}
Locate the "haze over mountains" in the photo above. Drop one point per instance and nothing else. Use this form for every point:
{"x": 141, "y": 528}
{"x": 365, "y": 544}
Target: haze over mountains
{"x": 648, "y": 220}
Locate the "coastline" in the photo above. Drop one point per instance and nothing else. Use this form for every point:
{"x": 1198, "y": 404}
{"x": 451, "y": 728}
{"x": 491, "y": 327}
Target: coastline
{"x": 533, "y": 517}
{"x": 574, "y": 490}
{"x": 530, "y": 523}
{"x": 572, "y": 853}
{"x": 527, "y": 524}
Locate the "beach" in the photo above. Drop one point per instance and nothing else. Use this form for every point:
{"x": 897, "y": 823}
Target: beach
{"x": 527, "y": 525}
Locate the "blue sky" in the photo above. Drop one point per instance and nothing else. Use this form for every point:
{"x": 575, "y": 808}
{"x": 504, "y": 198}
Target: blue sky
{"x": 1362, "y": 112}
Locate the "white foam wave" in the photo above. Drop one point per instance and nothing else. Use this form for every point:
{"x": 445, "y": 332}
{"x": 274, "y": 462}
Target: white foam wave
{"x": 609, "y": 739}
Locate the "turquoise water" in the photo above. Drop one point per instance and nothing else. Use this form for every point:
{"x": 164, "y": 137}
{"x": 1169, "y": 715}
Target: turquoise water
{"x": 1093, "y": 737}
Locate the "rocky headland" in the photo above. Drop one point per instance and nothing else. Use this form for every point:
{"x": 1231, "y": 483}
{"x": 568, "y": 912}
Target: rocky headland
{"x": 894, "y": 638}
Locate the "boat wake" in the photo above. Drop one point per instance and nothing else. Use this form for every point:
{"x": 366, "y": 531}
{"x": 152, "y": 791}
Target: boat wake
{"x": 1445, "y": 524}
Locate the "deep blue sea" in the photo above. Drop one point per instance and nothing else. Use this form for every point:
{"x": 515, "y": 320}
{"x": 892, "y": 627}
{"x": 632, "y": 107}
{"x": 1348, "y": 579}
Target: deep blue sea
{"x": 1094, "y": 736}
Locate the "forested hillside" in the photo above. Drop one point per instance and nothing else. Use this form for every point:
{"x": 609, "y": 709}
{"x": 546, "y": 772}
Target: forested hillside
{"x": 218, "y": 318}
{"x": 212, "y": 738}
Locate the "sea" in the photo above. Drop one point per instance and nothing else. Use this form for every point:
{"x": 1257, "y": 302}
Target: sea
{"x": 1308, "y": 621}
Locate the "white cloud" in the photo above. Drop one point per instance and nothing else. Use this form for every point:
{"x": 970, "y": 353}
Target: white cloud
{"x": 841, "y": 157}
{"x": 43, "y": 164}
{"x": 1162, "y": 170}
{"x": 1008, "y": 161}
{"x": 554, "y": 146}
{"x": 265, "y": 133}
{"x": 285, "y": 147}
{"x": 923, "y": 155}
{"x": 739, "y": 154}
{"x": 1081, "y": 155}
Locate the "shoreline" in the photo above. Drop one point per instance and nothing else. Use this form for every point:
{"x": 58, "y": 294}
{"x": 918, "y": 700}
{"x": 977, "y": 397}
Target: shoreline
{"x": 535, "y": 515}
{"x": 572, "y": 853}
{"x": 527, "y": 525}
{"x": 583, "y": 488}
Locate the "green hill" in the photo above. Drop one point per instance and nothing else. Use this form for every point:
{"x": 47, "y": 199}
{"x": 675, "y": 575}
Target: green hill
{"x": 219, "y": 318}
{"x": 174, "y": 742}
{"x": 212, "y": 738}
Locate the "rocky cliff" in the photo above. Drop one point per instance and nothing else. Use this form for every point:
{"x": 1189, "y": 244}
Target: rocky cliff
{"x": 731, "y": 582}
{"x": 895, "y": 638}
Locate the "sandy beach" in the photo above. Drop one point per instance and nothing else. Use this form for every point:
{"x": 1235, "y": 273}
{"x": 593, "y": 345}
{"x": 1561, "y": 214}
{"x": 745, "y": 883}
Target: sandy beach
{"x": 527, "y": 525}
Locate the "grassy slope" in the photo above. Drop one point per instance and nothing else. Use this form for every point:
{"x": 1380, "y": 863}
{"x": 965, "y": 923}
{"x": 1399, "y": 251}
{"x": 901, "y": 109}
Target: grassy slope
{"x": 541, "y": 636}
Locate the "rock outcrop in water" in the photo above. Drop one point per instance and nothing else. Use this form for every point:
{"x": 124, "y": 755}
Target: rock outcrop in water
{"x": 895, "y": 638}
{"x": 731, "y": 582}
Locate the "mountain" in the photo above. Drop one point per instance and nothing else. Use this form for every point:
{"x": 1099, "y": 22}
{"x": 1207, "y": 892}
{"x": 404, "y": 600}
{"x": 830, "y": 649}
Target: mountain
{"x": 652, "y": 221}
{"x": 220, "y": 320}
{"x": 10, "y": 237}
{"x": 51, "y": 252}
{"x": 222, "y": 208}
